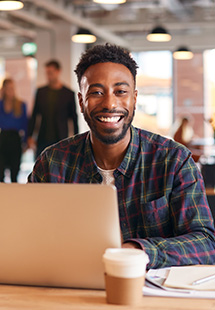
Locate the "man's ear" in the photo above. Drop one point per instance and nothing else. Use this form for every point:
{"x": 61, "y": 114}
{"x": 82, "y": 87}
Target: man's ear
{"x": 80, "y": 100}
{"x": 135, "y": 99}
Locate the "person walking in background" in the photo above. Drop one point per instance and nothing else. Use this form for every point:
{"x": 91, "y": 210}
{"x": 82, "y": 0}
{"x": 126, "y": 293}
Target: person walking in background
{"x": 55, "y": 104}
{"x": 13, "y": 130}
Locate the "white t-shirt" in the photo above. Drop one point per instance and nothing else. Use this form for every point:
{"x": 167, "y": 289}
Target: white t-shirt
{"x": 107, "y": 175}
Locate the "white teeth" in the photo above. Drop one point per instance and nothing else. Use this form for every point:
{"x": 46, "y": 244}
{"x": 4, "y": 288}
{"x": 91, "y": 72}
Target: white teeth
{"x": 113, "y": 119}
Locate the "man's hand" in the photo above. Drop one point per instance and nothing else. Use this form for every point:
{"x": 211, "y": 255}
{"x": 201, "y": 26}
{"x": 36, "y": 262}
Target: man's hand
{"x": 131, "y": 245}
{"x": 31, "y": 143}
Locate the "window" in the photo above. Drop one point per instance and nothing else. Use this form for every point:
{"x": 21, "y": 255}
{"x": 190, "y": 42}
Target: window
{"x": 154, "y": 83}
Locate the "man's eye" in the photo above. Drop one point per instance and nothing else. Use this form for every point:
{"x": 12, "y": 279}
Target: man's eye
{"x": 97, "y": 92}
{"x": 121, "y": 91}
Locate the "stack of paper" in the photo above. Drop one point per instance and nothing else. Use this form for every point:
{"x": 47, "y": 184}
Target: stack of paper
{"x": 179, "y": 282}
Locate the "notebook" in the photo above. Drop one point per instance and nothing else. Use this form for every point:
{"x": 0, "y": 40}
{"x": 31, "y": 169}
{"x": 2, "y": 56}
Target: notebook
{"x": 56, "y": 234}
{"x": 175, "y": 282}
{"x": 185, "y": 277}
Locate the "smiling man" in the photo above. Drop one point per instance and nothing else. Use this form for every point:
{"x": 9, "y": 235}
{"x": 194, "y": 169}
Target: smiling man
{"x": 162, "y": 203}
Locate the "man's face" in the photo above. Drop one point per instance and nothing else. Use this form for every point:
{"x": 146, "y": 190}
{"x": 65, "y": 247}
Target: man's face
{"x": 108, "y": 100}
{"x": 52, "y": 74}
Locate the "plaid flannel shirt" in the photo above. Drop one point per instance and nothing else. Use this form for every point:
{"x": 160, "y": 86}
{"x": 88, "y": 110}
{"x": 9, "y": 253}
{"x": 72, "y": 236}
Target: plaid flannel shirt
{"x": 161, "y": 194}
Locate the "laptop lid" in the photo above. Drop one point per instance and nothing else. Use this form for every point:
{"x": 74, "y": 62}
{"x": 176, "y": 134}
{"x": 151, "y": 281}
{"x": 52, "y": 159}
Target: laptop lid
{"x": 56, "y": 234}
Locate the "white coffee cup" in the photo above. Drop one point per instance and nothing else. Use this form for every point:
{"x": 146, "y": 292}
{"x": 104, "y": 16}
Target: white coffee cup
{"x": 124, "y": 275}
{"x": 125, "y": 263}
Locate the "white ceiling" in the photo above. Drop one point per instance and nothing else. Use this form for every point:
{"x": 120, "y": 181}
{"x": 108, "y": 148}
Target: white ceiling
{"x": 191, "y": 22}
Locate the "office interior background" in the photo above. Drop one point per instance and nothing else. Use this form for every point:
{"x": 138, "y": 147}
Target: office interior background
{"x": 169, "y": 88}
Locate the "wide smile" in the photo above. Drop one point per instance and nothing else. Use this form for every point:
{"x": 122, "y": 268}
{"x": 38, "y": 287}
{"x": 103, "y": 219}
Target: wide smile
{"x": 109, "y": 119}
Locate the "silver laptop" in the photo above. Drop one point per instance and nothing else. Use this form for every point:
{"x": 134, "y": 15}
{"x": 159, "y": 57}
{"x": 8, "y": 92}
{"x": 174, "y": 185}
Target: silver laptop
{"x": 56, "y": 234}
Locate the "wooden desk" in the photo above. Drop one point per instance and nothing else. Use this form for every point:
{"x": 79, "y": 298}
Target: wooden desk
{"x": 38, "y": 298}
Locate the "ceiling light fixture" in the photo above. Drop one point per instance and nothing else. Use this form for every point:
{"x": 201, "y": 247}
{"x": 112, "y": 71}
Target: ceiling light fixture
{"x": 159, "y": 34}
{"x": 182, "y": 53}
{"x": 110, "y": 1}
{"x": 83, "y": 36}
{"x": 10, "y": 5}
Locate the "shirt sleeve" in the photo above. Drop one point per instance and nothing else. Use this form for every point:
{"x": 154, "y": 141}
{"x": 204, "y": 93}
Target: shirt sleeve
{"x": 193, "y": 240}
{"x": 32, "y": 120}
{"x": 24, "y": 121}
{"x": 40, "y": 173}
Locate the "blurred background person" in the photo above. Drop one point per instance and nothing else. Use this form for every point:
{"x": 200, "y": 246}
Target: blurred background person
{"x": 184, "y": 132}
{"x": 54, "y": 107}
{"x": 13, "y": 130}
{"x": 184, "y": 135}
{"x": 211, "y": 121}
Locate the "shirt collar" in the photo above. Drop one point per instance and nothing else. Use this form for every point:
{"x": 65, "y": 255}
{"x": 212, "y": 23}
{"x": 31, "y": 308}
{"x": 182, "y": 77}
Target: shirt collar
{"x": 90, "y": 163}
{"x": 127, "y": 165}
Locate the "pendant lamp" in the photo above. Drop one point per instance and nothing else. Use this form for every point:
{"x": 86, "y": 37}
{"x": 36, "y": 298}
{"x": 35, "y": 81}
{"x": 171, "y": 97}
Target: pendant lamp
{"x": 110, "y": 1}
{"x": 159, "y": 34}
{"x": 10, "y": 5}
{"x": 182, "y": 53}
{"x": 83, "y": 36}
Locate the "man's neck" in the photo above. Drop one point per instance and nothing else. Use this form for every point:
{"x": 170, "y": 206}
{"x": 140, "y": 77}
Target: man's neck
{"x": 110, "y": 156}
{"x": 56, "y": 85}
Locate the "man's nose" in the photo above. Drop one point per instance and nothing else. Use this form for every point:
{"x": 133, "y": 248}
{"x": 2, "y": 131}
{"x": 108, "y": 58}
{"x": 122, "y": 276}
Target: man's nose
{"x": 109, "y": 101}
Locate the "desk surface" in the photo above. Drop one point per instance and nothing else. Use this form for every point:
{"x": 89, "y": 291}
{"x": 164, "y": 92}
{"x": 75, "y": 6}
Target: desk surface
{"x": 33, "y": 298}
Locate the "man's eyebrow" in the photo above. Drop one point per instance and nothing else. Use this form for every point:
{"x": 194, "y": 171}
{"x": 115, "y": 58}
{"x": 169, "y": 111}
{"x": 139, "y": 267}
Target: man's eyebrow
{"x": 102, "y": 86}
{"x": 96, "y": 85}
{"x": 121, "y": 83}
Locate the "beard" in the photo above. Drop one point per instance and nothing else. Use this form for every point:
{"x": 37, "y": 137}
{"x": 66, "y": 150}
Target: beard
{"x": 109, "y": 137}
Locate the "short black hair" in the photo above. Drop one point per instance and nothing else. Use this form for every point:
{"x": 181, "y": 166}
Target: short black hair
{"x": 105, "y": 53}
{"x": 53, "y": 63}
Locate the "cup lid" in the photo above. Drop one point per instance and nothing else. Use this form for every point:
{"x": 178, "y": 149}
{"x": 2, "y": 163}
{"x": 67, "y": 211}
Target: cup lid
{"x": 124, "y": 255}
